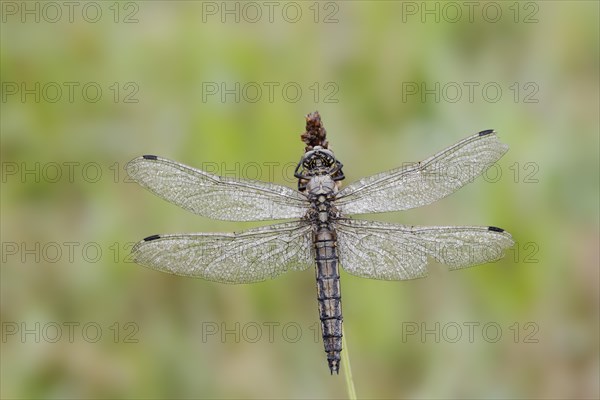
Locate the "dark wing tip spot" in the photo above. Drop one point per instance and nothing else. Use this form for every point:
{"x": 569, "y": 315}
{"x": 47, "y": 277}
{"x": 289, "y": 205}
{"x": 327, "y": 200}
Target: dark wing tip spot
{"x": 495, "y": 229}
{"x": 153, "y": 237}
{"x": 149, "y": 157}
{"x": 486, "y": 132}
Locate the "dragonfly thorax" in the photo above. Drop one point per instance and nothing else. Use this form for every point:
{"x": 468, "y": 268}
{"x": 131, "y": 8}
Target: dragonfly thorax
{"x": 321, "y": 190}
{"x": 321, "y": 186}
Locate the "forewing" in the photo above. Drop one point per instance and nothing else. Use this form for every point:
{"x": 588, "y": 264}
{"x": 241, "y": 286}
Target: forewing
{"x": 425, "y": 182}
{"x": 386, "y": 251}
{"x": 245, "y": 257}
{"x": 214, "y": 196}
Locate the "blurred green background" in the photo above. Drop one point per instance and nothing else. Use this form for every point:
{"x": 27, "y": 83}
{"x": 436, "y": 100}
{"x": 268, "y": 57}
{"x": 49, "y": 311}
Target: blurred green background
{"x": 87, "y": 87}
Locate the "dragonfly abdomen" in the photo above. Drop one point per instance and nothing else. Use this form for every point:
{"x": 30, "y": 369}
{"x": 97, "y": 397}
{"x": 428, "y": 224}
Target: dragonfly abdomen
{"x": 329, "y": 294}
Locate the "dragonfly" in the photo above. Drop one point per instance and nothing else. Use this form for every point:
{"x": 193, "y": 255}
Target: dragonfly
{"x": 320, "y": 231}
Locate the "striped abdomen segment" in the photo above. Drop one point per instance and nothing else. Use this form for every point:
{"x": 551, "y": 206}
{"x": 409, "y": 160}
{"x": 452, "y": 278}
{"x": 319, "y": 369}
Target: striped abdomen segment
{"x": 329, "y": 296}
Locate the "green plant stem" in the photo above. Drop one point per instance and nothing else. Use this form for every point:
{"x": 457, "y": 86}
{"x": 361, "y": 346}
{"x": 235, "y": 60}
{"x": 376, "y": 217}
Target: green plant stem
{"x": 346, "y": 368}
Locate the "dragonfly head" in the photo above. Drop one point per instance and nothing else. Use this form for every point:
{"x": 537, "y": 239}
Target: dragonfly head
{"x": 318, "y": 161}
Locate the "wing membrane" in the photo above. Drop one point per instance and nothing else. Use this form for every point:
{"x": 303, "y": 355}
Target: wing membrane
{"x": 380, "y": 250}
{"x": 245, "y": 257}
{"x": 214, "y": 196}
{"x": 425, "y": 182}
